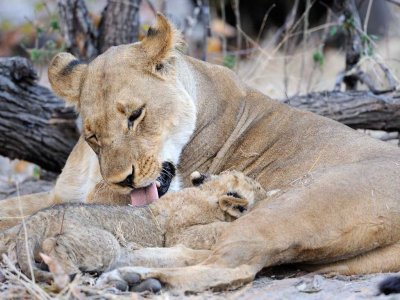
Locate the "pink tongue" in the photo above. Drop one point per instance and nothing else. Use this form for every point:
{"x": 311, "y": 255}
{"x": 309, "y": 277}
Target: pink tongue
{"x": 144, "y": 196}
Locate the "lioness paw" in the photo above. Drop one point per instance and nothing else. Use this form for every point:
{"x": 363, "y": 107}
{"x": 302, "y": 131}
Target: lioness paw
{"x": 129, "y": 278}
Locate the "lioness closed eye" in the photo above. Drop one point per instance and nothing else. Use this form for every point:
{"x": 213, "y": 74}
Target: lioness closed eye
{"x": 194, "y": 217}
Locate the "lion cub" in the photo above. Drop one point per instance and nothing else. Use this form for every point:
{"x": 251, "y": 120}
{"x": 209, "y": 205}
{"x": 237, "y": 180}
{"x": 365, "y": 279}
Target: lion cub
{"x": 96, "y": 238}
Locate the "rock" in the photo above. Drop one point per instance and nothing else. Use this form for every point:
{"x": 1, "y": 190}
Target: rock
{"x": 310, "y": 286}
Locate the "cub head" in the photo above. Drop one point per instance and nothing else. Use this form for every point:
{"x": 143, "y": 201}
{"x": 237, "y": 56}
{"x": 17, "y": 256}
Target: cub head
{"x": 235, "y": 192}
{"x": 136, "y": 114}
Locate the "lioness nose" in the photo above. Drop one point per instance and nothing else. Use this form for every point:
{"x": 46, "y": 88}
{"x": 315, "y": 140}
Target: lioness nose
{"x": 127, "y": 182}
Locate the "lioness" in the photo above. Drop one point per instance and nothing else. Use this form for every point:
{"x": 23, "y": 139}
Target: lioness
{"x": 146, "y": 104}
{"x": 193, "y": 218}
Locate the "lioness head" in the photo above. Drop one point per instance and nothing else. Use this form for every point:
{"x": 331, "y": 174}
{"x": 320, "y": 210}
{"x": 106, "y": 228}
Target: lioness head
{"x": 136, "y": 115}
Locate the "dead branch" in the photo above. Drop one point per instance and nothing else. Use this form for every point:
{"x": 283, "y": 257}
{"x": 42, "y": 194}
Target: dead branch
{"x": 355, "y": 48}
{"x": 235, "y": 6}
{"x": 357, "y": 109}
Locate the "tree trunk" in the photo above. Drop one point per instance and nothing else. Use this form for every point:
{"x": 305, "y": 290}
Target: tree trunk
{"x": 79, "y": 34}
{"x": 35, "y": 125}
{"x": 119, "y": 24}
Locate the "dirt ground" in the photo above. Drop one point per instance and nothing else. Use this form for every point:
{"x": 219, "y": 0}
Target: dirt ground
{"x": 304, "y": 287}
{"x": 307, "y": 287}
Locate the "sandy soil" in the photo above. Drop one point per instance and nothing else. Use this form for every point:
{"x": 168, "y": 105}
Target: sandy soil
{"x": 307, "y": 287}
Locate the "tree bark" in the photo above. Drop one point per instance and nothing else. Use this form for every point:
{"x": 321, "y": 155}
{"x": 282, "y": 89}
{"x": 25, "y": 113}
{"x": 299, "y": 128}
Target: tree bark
{"x": 357, "y": 109}
{"x": 35, "y": 125}
{"x": 119, "y": 24}
{"x": 79, "y": 34}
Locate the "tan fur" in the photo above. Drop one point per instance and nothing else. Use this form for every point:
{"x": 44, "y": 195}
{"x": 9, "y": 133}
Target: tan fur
{"x": 191, "y": 219}
{"x": 339, "y": 189}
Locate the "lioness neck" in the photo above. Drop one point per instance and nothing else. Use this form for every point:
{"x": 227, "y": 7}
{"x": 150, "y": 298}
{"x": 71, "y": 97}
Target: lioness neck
{"x": 240, "y": 128}
{"x": 224, "y": 114}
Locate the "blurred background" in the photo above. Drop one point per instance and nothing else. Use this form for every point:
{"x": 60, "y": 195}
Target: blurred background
{"x": 260, "y": 39}
{"x": 284, "y": 48}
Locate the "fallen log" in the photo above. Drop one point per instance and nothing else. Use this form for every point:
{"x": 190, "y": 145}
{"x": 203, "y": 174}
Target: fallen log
{"x": 357, "y": 109}
{"x": 36, "y": 126}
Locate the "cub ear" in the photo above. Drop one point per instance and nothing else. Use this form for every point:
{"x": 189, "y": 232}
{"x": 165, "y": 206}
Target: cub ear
{"x": 161, "y": 40}
{"x": 235, "y": 207}
{"x": 65, "y": 76}
{"x": 198, "y": 178}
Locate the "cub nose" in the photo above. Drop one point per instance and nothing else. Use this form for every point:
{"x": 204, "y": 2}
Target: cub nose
{"x": 127, "y": 182}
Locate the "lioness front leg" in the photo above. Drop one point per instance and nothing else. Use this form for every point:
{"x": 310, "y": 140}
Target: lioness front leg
{"x": 193, "y": 278}
{"x": 177, "y": 256}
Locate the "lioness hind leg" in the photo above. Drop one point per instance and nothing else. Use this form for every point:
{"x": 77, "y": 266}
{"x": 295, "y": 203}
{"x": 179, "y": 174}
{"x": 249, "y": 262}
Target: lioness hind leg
{"x": 381, "y": 260}
{"x": 13, "y": 209}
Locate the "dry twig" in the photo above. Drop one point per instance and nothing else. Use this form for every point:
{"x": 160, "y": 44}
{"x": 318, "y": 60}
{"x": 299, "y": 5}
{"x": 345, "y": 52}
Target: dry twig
{"x": 236, "y": 10}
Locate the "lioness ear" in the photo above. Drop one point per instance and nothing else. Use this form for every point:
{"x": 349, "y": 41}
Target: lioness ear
{"x": 65, "y": 76}
{"x": 160, "y": 42}
{"x": 235, "y": 207}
